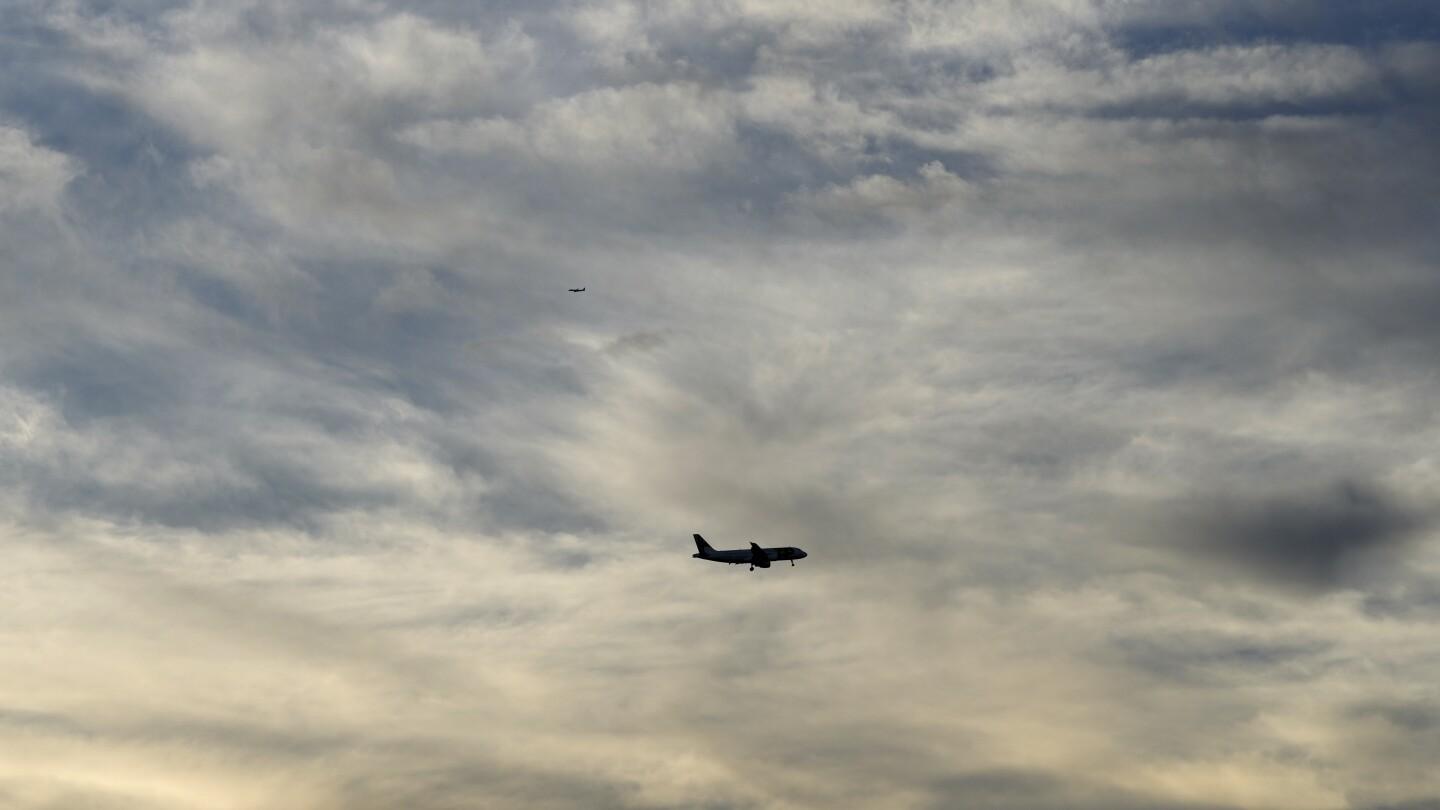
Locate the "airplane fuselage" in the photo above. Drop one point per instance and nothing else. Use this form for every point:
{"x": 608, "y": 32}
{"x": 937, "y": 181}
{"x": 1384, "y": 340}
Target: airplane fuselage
{"x": 755, "y": 556}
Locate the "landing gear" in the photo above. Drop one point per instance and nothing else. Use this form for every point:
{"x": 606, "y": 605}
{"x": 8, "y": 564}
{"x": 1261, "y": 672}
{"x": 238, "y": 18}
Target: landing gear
{"x": 752, "y": 568}
{"x": 792, "y": 563}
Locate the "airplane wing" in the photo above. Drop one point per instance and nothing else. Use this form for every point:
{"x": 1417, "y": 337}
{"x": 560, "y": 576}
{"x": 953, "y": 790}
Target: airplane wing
{"x": 758, "y": 557}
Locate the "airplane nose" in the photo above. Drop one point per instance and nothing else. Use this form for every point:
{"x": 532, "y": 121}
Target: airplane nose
{"x": 801, "y": 554}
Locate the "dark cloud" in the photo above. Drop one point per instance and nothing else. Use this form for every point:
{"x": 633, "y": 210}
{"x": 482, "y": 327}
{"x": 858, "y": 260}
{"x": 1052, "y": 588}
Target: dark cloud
{"x": 93, "y": 381}
{"x": 1207, "y": 658}
{"x": 1413, "y": 717}
{"x": 635, "y": 342}
{"x": 1315, "y": 539}
{"x": 1167, "y": 26}
{"x": 1038, "y": 790}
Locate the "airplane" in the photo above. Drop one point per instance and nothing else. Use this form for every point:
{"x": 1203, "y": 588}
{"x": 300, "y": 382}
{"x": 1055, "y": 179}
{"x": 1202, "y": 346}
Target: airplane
{"x": 755, "y": 555}
{"x": 577, "y": 289}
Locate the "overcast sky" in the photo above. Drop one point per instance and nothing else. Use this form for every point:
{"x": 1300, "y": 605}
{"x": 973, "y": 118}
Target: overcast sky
{"x": 1087, "y": 346}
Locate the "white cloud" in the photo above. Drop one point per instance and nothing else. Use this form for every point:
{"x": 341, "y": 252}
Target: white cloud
{"x": 32, "y": 177}
{"x": 1235, "y": 76}
{"x": 639, "y": 128}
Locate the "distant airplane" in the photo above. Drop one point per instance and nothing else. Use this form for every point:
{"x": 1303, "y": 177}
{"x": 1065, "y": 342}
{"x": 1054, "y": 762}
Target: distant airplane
{"x": 577, "y": 289}
{"x": 753, "y": 555}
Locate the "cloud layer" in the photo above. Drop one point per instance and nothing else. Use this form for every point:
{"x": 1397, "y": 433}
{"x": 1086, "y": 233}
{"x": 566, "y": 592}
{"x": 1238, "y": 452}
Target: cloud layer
{"x": 1087, "y": 347}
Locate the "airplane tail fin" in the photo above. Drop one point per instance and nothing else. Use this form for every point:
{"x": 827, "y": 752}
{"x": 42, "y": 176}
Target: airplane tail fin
{"x": 702, "y": 546}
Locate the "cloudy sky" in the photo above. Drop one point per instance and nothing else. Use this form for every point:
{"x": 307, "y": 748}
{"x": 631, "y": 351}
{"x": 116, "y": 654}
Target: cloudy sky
{"x": 1088, "y": 347}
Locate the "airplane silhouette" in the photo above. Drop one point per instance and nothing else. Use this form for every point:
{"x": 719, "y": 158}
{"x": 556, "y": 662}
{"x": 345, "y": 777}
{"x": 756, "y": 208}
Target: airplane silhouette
{"x": 755, "y": 555}
{"x": 577, "y": 289}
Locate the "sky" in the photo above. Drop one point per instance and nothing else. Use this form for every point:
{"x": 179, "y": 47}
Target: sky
{"x": 1088, "y": 347}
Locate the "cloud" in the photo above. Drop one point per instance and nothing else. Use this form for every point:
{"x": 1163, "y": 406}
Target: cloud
{"x": 1311, "y": 539}
{"x": 33, "y": 177}
{"x": 1238, "y": 80}
{"x": 635, "y": 342}
{"x": 1034, "y": 323}
{"x": 996, "y": 790}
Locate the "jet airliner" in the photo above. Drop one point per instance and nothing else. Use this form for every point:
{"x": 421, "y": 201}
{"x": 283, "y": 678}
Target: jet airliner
{"x": 755, "y": 555}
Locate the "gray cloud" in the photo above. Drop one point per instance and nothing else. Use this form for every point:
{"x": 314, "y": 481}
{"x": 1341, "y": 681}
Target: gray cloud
{"x": 1312, "y": 539}
{"x": 1417, "y": 717}
{"x": 1206, "y": 657}
{"x": 1005, "y": 789}
{"x": 635, "y": 342}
